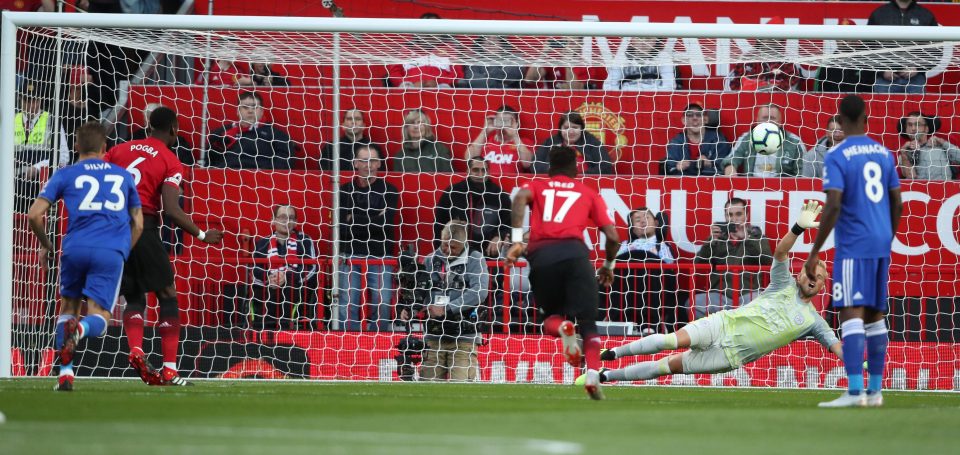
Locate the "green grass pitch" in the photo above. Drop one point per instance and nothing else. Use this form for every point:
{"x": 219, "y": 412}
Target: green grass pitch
{"x": 220, "y": 417}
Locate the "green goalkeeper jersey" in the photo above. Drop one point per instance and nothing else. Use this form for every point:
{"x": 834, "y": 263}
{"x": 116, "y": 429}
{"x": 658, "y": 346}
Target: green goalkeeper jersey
{"x": 772, "y": 320}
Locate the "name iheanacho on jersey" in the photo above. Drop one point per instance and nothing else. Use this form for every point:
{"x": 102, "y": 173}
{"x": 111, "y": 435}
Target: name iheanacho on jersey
{"x": 854, "y": 150}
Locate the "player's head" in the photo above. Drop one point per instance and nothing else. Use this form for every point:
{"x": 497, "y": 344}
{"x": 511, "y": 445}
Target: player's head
{"x": 476, "y": 169}
{"x": 90, "y": 140}
{"x": 735, "y": 211}
{"x": 768, "y": 113}
{"x": 353, "y": 124}
{"x": 643, "y": 223}
{"x": 284, "y": 219}
{"x": 250, "y": 107}
{"x": 453, "y": 238}
{"x": 853, "y": 114}
{"x": 563, "y": 161}
{"x": 810, "y": 288}
{"x": 164, "y": 125}
{"x": 366, "y": 161}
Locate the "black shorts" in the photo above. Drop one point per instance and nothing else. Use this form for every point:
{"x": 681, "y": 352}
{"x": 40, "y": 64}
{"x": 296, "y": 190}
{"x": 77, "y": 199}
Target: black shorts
{"x": 568, "y": 287}
{"x": 148, "y": 268}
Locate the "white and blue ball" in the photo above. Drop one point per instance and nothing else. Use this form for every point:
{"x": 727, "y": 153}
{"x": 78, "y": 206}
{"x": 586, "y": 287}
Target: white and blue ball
{"x": 767, "y": 138}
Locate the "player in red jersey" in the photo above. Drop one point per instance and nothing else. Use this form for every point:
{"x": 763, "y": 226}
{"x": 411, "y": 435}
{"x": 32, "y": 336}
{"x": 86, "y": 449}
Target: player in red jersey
{"x": 157, "y": 173}
{"x": 563, "y": 279}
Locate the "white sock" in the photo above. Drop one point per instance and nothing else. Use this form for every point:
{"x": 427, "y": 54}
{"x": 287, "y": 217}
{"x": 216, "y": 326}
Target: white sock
{"x": 651, "y": 344}
{"x": 641, "y": 371}
{"x": 170, "y": 365}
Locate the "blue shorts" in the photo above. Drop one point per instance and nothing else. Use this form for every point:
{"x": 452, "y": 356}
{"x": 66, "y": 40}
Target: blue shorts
{"x": 91, "y": 272}
{"x": 861, "y": 282}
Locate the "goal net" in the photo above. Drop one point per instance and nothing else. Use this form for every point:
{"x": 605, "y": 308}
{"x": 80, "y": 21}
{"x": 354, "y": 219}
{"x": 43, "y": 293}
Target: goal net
{"x": 343, "y": 159}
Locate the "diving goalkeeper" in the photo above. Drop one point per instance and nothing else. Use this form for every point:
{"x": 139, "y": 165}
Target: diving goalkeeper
{"x": 726, "y": 340}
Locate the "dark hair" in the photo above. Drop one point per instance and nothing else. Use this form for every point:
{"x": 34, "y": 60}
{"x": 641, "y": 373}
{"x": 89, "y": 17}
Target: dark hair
{"x": 735, "y": 200}
{"x": 474, "y": 158}
{"x": 276, "y": 209}
{"x": 163, "y": 119}
{"x": 509, "y": 110}
{"x": 90, "y": 138}
{"x": 571, "y": 117}
{"x": 933, "y": 123}
{"x": 373, "y": 147}
{"x": 852, "y": 108}
{"x": 835, "y": 118}
{"x": 247, "y": 94}
{"x": 429, "y": 16}
{"x": 563, "y": 160}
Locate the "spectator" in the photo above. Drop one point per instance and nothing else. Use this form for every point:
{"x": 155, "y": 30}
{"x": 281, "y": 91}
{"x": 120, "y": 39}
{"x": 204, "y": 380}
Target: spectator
{"x": 74, "y": 110}
{"x": 182, "y": 148}
{"x": 420, "y": 151}
{"x": 840, "y": 79}
{"x": 907, "y": 79}
{"x": 697, "y": 150}
{"x": 520, "y": 294}
{"x": 430, "y": 68}
{"x": 649, "y": 290}
{"x": 354, "y": 136}
{"x": 925, "y": 156}
{"x": 38, "y": 144}
{"x": 763, "y": 75}
{"x": 492, "y": 49}
{"x": 813, "y": 160}
{"x": 645, "y": 67}
{"x": 480, "y": 204}
{"x": 368, "y": 230}
{"x": 281, "y": 286}
{"x": 460, "y": 281}
{"x": 224, "y": 73}
{"x": 262, "y": 75}
{"x": 250, "y": 143}
{"x": 746, "y": 161}
{"x": 500, "y": 145}
{"x": 592, "y": 156}
{"x": 555, "y": 77}
{"x": 732, "y": 243}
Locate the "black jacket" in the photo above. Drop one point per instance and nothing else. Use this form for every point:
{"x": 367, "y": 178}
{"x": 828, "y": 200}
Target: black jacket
{"x": 263, "y": 147}
{"x": 891, "y": 14}
{"x": 348, "y": 150}
{"x": 368, "y": 223}
{"x": 487, "y": 197}
{"x": 594, "y": 154}
{"x": 298, "y": 275}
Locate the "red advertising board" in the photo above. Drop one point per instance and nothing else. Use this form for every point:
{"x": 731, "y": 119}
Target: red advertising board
{"x": 537, "y": 359}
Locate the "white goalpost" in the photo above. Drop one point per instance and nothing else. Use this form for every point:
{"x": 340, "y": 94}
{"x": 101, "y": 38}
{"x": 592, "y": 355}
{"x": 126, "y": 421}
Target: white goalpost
{"x": 268, "y": 105}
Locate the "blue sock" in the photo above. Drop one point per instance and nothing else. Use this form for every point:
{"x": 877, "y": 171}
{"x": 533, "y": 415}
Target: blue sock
{"x": 61, "y": 321}
{"x": 876, "y": 334}
{"x": 853, "y": 340}
{"x": 94, "y": 326}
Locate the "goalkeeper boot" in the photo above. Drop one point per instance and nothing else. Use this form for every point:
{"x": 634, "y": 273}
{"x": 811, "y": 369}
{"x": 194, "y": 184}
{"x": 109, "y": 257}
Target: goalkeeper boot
{"x": 592, "y": 385}
{"x": 846, "y": 401}
{"x": 582, "y": 379}
{"x": 71, "y": 336}
{"x": 170, "y": 377}
{"x": 874, "y": 400}
{"x": 571, "y": 346}
{"x": 148, "y": 375}
{"x": 607, "y": 355}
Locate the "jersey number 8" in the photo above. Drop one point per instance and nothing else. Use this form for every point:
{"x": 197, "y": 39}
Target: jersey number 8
{"x": 874, "y": 181}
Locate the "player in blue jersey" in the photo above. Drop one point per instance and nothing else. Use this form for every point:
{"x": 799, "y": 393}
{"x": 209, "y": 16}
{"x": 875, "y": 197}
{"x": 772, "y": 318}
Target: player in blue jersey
{"x": 864, "y": 203}
{"x": 104, "y": 220}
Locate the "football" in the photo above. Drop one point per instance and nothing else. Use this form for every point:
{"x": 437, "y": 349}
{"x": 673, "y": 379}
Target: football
{"x": 766, "y": 138}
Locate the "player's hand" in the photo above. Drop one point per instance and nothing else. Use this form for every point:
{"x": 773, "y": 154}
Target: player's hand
{"x": 516, "y": 250}
{"x": 605, "y": 277}
{"x": 808, "y": 215}
{"x": 46, "y": 257}
{"x": 212, "y": 236}
{"x": 810, "y": 267}
{"x": 493, "y": 248}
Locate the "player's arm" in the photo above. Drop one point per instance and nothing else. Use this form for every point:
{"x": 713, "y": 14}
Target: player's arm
{"x": 171, "y": 208}
{"x": 828, "y": 220}
{"x": 136, "y": 225}
{"x": 35, "y": 217}
{"x": 519, "y": 210}
{"x": 807, "y": 219}
{"x": 896, "y": 209}
{"x": 613, "y": 245}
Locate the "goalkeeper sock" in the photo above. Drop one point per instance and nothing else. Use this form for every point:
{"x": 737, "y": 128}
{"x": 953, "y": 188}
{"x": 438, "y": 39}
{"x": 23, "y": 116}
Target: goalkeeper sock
{"x": 551, "y": 325}
{"x": 170, "y": 337}
{"x": 650, "y": 344}
{"x": 591, "y": 350}
{"x": 61, "y": 321}
{"x": 93, "y": 326}
{"x": 876, "y": 334}
{"x": 853, "y": 340}
{"x": 133, "y": 327}
{"x": 641, "y": 371}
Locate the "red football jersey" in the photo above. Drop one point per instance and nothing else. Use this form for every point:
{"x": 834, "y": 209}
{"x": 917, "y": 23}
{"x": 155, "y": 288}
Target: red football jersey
{"x": 152, "y": 165}
{"x": 561, "y": 208}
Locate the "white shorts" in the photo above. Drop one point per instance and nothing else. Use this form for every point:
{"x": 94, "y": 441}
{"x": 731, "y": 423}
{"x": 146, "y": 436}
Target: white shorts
{"x": 706, "y": 353}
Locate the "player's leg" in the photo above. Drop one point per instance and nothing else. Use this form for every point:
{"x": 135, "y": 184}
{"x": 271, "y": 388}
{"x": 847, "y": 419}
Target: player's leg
{"x": 702, "y": 335}
{"x": 875, "y": 331}
{"x": 848, "y": 281}
{"x": 73, "y": 271}
{"x": 655, "y": 343}
{"x": 157, "y": 277}
{"x": 582, "y": 297}
{"x": 136, "y": 305}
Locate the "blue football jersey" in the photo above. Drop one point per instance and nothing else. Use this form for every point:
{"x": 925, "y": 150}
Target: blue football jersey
{"x": 98, "y": 196}
{"x": 864, "y": 170}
